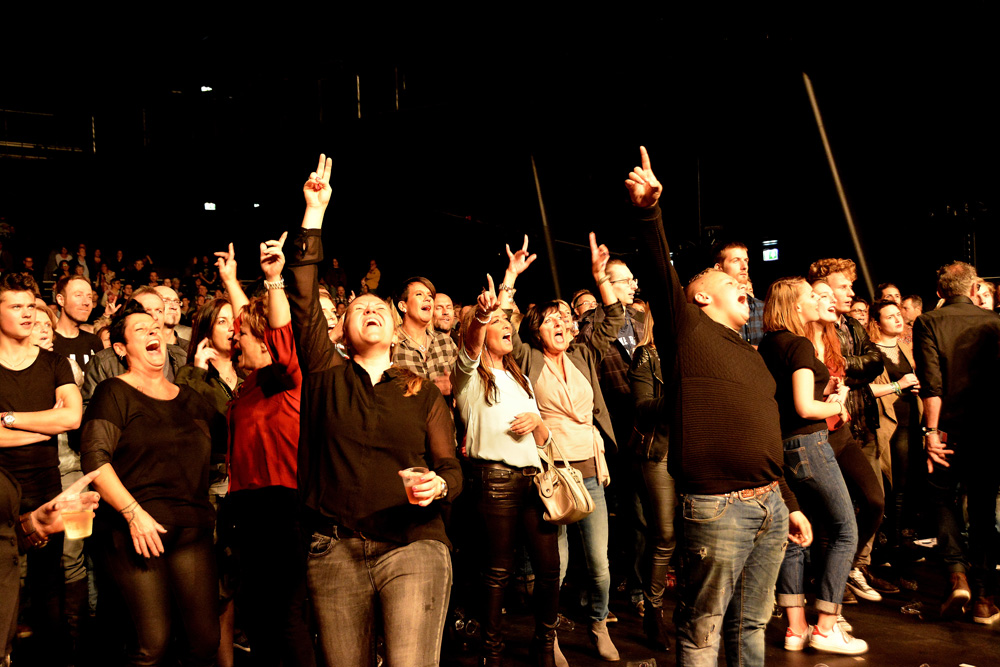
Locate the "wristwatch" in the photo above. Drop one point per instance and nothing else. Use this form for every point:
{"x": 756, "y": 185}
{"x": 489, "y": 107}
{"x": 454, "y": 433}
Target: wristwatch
{"x": 444, "y": 490}
{"x": 7, "y": 419}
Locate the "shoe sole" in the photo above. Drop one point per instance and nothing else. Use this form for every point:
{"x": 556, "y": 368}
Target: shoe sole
{"x": 955, "y": 605}
{"x": 837, "y": 650}
{"x": 874, "y": 596}
{"x": 986, "y": 620}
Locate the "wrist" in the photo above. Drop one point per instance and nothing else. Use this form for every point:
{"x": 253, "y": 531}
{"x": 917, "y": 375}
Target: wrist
{"x": 601, "y": 278}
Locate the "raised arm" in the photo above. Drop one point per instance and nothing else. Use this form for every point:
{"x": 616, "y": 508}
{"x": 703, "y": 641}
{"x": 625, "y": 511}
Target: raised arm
{"x": 645, "y": 190}
{"x": 227, "y": 271}
{"x": 272, "y": 262}
{"x": 487, "y": 305}
{"x": 518, "y": 262}
{"x": 316, "y": 352}
{"x": 607, "y": 329}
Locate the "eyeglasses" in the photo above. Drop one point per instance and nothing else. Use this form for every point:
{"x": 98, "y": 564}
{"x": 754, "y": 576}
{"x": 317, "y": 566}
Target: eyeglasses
{"x": 630, "y": 281}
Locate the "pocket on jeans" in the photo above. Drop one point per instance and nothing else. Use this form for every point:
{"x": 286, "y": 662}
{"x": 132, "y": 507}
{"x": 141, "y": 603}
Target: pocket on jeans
{"x": 702, "y": 509}
{"x": 796, "y": 460}
{"x": 320, "y": 545}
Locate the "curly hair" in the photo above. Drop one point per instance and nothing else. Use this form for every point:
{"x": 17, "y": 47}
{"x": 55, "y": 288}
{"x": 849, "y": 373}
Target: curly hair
{"x": 822, "y": 268}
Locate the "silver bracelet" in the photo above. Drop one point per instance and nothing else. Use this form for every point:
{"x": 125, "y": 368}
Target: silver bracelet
{"x": 275, "y": 284}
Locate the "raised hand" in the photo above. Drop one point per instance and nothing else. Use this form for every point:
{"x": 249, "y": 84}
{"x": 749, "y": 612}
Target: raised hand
{"x": 317, "y": 189}
{"x": 488, "y": 302}
{"x": 599, "y": 256}
{"x": 520, "y": 260}
{"x": 226, "y": 264}
{"x": 272, "y": 258}
{"x": 642, "y": 185}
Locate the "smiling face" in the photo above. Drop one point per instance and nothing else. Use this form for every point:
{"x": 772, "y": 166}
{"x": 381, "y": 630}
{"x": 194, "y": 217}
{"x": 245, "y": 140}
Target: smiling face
{"x": 17, "y": 314}
{"x": 499, "y": 336}
{"x": 555, "y": 339}
{"x": 444, "y": 312}
{"x": 153, "y": 305}
{"x": 825, "y": 302}
{"x": 368, "y": 324}
{"x": 843, "y": 293}
{"x": 143, "y": 347}
{"x": 76, "y": 300}
{"x": 330, "y": 313}
{"x": 419, "y": 305}
{"x": 171, "y": 306}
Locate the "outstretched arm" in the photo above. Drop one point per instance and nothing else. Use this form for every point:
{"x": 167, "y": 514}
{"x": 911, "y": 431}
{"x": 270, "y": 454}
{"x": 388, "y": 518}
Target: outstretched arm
{"x": 272, "y": 262}
{"x": 486, "y": 307}
{"x": 227, "y": 271}
{"x": 518, "y": 263}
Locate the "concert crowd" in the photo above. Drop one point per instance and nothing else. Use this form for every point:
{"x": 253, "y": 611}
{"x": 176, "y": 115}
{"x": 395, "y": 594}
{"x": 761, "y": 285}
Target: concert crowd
{"x": 319, "y": 470}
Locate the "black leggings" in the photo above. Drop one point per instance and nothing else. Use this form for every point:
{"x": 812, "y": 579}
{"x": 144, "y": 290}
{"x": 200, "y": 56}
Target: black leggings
{"x": 180, "y": 582}
{"x": 862, "y": 483}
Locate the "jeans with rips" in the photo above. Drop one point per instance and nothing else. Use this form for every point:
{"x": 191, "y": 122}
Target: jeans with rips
{"x": 731, "y": 550}
{"x": 351, "y": 579}
{"x": 594, "y": 533}
{"x": 818, "y": 483}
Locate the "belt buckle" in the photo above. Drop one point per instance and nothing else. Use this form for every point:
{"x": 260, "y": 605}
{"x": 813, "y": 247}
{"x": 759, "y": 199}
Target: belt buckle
{"x": 747, "y": 494}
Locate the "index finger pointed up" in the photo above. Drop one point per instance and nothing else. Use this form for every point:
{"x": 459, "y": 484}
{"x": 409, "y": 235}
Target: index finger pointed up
{"x": 281, "y": 239}
{"x": 525, "y": 246}
{"x": 593, "y": 243}
{"x": 489, "y": 281}
{"x": 645, "y": 158}
{"x": 320, "y": 167}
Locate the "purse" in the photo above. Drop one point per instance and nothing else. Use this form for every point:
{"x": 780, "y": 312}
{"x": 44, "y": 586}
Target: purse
{"x": 563, "y": 494}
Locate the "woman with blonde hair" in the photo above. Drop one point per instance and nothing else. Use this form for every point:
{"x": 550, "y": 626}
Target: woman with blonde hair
{"x": 806, "y": 398}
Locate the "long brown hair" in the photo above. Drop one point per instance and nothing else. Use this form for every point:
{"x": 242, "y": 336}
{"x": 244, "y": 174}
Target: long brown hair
{"x": 833, "y": 358}
{"x": 779, "y": 307}
{"x": 491, "y": 393}
{"x": 203, "y": 322}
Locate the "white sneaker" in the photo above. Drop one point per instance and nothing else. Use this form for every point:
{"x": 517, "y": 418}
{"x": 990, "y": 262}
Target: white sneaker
{"x": 794, "y": 642}
{"x": 859, "y": 586}
{"x": 844, "y": 624}
{"x": 837, "y": 641}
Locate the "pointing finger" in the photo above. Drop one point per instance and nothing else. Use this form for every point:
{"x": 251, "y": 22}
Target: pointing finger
{"x": 645, "y": 157}
{"x": 489, "y": 281}
{"x": 525, "y": 246}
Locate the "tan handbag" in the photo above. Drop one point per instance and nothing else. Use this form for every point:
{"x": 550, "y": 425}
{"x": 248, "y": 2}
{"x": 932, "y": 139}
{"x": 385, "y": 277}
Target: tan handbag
{"x": 565, "y": 497}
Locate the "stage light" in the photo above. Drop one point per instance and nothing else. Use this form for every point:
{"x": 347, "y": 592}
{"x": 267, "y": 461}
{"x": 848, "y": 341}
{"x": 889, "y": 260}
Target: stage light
{"x": 209, "y": 206}
{"x": 206, "y": 89}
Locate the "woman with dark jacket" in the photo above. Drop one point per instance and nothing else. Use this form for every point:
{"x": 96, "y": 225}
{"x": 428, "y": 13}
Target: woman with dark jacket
{"x": 378, "y": 555}
{"x": 565, "y": 376}
{"x": 649, "y": 442}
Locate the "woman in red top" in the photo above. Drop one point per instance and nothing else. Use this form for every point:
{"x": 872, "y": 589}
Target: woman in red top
{"x": 263, "y": 450}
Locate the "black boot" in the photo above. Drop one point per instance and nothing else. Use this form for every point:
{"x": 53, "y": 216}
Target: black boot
{"x": 654, "y": 625}
{"x": 543, "y": 646}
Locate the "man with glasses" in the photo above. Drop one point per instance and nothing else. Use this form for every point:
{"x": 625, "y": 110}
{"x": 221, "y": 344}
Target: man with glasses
{"x": 859, "y": 310}
{"x": 733, "y": 259}
{"x": 171, "y": 316}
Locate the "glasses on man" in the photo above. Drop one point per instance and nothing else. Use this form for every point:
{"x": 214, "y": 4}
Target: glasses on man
{"x": 634, "y": 282}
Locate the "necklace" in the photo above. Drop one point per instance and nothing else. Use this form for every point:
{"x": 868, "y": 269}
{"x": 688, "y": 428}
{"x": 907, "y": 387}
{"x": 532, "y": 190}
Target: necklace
{"x": 15, "y": 365}
{"x": 407, "y": 336}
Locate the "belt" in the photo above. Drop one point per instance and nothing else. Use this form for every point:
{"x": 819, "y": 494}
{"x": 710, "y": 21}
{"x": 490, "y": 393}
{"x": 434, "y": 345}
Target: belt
{"x": 750, "y": 494}
{"x": 529, "y": 471}
{"x": 331, "y": 529}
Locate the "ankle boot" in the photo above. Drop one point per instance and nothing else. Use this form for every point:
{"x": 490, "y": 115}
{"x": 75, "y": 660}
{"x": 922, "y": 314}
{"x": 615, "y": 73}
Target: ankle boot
{"x": 543, "y": 646}
{"x": 654, "y": 625}
{"x": 602, "y": 640}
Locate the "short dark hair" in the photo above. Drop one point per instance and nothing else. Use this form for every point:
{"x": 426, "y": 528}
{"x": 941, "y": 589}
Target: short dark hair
{"x": 404, "y": 288}
{"x": 17, "y": 282}
{"x": 533, "y": 319}
{"x": 721, "y": 250}
{"x": 882, "y": 287}
{"x": 117, "y": 327}
{"x": 576, "y": 296}
{"x": 917, "y": 301}
{"x": 66, "y": 280}
{"x": 860, "y": 299}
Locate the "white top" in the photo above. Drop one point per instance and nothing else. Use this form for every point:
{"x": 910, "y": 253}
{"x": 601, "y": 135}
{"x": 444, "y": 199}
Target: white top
{"x": 488, "y": 433}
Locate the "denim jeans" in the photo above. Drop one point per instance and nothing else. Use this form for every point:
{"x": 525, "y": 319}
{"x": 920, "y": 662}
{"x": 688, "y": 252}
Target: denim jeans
{"x": 731, "y": 550}
{"x": 819, "y": 485}
{"x": 594, "y": 533}
{"x": 509, "y": 505}
{"x": 351, "y": 579}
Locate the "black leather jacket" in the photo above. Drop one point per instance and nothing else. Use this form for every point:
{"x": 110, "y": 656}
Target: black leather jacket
{"x": 862, "y": 368}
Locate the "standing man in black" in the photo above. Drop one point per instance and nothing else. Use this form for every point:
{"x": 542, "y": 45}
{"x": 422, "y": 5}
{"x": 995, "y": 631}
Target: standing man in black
{"x": 957, "y": 354}
{"x": 75, "y": 299}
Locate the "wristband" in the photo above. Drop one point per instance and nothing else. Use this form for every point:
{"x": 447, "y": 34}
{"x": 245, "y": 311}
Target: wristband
{"x": 505, "y": 286}
{"x": 896, "y": 389}
{"x": 603, "y": 280}
{"x": 483, "y": 322}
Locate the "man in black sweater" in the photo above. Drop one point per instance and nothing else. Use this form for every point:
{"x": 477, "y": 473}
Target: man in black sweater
{"x": 725, "y": 453}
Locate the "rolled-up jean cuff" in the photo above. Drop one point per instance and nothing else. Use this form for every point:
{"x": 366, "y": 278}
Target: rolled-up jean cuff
{"x": 826, "y": 607}
{"x": 957, "y": 567}
{"x": 791, "y": 600}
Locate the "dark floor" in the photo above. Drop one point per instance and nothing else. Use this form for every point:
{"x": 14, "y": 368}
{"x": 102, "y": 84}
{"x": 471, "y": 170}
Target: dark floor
{"x": 895, "y": 639}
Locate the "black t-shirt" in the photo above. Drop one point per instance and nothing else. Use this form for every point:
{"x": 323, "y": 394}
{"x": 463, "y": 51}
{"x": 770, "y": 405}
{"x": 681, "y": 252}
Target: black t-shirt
{"x": 159, "y": 449}
{"x": 80, "y": 349}
{"x": 33, "y": 389}
{"x": 784, "y": 353}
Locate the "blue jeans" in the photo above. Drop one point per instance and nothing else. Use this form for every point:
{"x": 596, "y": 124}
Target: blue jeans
{"x": 819, "y": 485}
{"x": 350, "y": 579}
{"x": 731, "y": 551}
{"x": 594, "y": 533}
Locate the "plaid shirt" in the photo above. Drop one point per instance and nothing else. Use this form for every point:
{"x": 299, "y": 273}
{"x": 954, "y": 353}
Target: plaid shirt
{"x": 614, "y": 367}
{"x": 439, "y": 359}
{"x": 753, "y": 331}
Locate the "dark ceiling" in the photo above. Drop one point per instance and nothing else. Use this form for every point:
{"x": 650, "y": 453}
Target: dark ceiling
{"x": 108, "y": 137}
